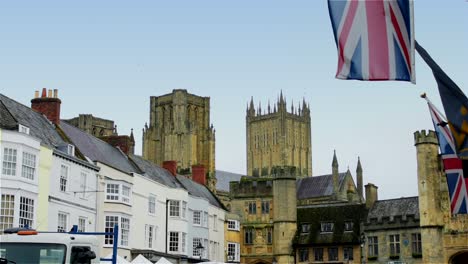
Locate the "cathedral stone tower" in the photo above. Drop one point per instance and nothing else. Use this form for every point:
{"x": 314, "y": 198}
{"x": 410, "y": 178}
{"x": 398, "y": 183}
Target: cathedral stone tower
{"x": 277, "y": 137}
{"x": 180, "y": 130}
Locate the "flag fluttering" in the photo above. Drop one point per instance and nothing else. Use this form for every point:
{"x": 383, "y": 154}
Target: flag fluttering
{"x": 455, "y": 104}
{"x": 455, "y": 168}
{"x": 375, "y": 39}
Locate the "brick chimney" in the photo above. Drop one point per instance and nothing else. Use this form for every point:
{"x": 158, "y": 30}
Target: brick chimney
{"x": 371, "y": 195}
{"x": 47, "y": 104}
{"x": 123, "y": 142}
{"x": 171, "y": 166}
{"x": 199, "y": 174}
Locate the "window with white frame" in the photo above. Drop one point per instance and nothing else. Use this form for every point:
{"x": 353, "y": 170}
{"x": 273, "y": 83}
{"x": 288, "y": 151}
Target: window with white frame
{"x": 348, "y": 226}
{"x": 29, "y": 165}
{"x": 152, "y": 204}
{"x": 118, "y": 192}
{"x": 83, "y": 179}
{"x": 126, "y": 194}
{"x": 183, "y": 244}
{"x": 23, "y": 129}
{"x": 149, "y": 235}
{"x": 326, "y": 227}
{"x": 373, "y": 243}
{"x": 205, "y": 219}
{"x": 184, "y": 209}
{"x": 196, "y": 243}
{"x": 62, "y": 222}
{"x": 233, "y": 225}
{"x": 206, "y": 249}
{"x": 174, "y": 208}
{"x": 9, "y": 161}
{"x": 63, "y": 178}
{"x": 112, "y": 192}
{"x": 174, "y": 241}
{"x": 82, "y": 224}
{"x": 124, "y": 229}
{"x": 110, "y": 222}
{"x": 197, "y": 217}
{"x": 26, "y": 212}
{"x": 394, "y": 245}
{"x": 7, "y": 211}
{"x": 416, "y": 246}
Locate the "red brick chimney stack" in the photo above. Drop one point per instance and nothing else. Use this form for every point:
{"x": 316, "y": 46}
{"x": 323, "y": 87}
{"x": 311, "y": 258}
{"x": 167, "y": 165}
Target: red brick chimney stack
{"x": 48, "y": 105}
{"x": 199, "y": 174}
{"x": 171, "y": 166}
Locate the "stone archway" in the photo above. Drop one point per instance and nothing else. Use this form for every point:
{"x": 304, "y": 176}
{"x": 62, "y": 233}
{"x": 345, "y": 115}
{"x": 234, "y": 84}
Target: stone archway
{"x": 459, "y": 258}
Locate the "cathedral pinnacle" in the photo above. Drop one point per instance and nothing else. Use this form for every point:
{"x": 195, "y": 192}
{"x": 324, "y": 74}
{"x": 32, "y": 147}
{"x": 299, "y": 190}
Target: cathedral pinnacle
{"x": 335, "y": 161}
{"x": 359, "y": 167}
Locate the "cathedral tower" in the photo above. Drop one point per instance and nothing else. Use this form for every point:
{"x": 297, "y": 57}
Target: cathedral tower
{"x": 180, "y": 130}
{"x": 278, "y": 137}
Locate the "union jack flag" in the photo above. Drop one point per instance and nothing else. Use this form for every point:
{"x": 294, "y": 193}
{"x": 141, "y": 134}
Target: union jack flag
{"x": 453, "y": 166}
{"x": 374, "y": 38}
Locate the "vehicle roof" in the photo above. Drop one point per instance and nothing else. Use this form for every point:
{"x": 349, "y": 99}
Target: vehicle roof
{"x": 57, "y": 238}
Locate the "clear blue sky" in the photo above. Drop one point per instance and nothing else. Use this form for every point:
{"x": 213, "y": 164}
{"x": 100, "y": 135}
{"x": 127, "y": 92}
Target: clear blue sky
{"x": 108, "y": 57}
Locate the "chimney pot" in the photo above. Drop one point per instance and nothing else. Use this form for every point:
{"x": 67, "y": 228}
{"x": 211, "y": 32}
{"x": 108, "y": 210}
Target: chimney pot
{"x": 48, "y": 106}
{"x": 55, "y": 93}
{"x": 49, "y": 93}
{"x": 36, "y": 94}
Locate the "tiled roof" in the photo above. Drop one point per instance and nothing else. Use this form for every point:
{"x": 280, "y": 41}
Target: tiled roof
{"x": 224, "y": 177}
{"x": 39, "y": 126}
{"x": 7, "y": 121}
{"x": 154, "y": 172}
{"x": 98, "y": 150}
{"x": 199, "y": 190}
{"x": 317, "y": 186}
{"x": 395, "y": 207}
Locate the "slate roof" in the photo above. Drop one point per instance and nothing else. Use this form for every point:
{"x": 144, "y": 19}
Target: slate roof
{"x": 39, "y": 126}
{"x": 339, "y": 214}
{"x": 224, "y": 177}
{"x": 98, "y": 150}
{"x": 7, "y": 121}
{"x": 317, "y": 186}
{"x": 199, "y": 190}
{"x": 395, "y": 207}
{"x": 154, "y": 172}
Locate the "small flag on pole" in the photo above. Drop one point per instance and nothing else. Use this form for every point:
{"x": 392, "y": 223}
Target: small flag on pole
{"x": 375, "y": 39}
{"x": 455, "y": 104}
{"x": 453, "y": 166}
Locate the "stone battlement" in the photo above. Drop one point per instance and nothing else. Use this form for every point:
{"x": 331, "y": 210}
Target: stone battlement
{"x": 423, "y": 137}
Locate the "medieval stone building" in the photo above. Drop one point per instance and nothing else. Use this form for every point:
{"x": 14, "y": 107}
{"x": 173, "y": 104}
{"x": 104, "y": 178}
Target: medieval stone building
{"x": 277, "y": 137}
{"x": 95, "y": 126}
{"x": 180, "y": 130}
{"x": 444, "y": 236}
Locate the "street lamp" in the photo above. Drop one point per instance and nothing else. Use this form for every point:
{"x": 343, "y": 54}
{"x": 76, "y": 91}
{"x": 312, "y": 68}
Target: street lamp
{"x": 363, "y": 242}
{"x": 200, "y": 249}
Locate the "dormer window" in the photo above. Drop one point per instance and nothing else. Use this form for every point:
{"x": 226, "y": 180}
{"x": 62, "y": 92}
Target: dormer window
{"x": 326, "y": 227}
{"x": 23, "y": 129}
{"x": 71, "y": 150}
{"x": 305, "y": 228}
{"x": 348, "y": 226}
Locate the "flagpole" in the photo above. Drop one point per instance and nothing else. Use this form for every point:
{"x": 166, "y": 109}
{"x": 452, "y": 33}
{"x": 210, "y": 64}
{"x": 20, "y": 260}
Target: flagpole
{"x": 424, "y": 96}
{"x": 413, "y": 40}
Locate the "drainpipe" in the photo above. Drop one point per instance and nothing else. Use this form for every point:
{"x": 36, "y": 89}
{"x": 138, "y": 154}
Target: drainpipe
{"x": 167, "y": 217}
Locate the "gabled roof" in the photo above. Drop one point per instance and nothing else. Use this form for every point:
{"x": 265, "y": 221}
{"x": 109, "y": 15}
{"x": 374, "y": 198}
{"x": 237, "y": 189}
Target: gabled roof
{"x": 98, "y": 150}
{"x": 224, "y": 177}
{"x": 395, "y": 207}
{"x": 199, "y": 190}
{"x": 39, "y": 126}
{"x": 154, "y": 172}
{"x": 317, "y": 186}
